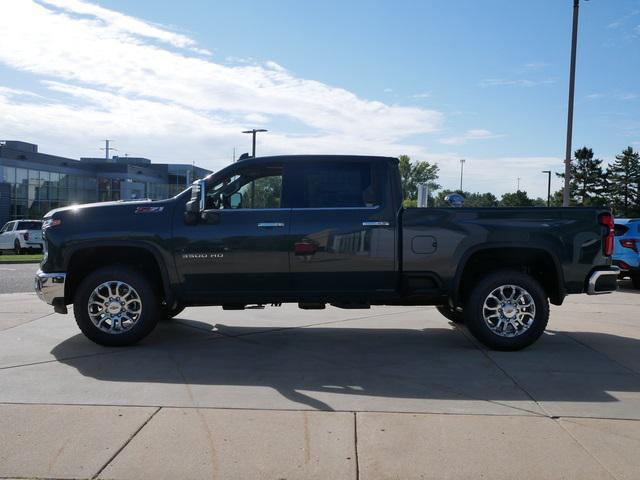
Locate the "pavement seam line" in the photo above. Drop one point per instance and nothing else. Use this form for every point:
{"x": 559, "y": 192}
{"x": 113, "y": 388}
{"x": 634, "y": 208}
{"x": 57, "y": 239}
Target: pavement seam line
{"x": 124, "y": 445}
{"x": 602, "y": 354}
{"x": 355, "y": 443}
{"x": 586, "y": 450}
{"x": 504, "y": 372}
{"x": 27, "y": 322}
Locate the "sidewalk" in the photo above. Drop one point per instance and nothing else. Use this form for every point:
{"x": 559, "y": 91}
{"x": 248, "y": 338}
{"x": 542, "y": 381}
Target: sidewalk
{"x": 281, "y": 393}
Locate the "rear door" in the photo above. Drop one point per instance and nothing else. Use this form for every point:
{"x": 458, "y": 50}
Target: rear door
{"x": 342, "y": 230}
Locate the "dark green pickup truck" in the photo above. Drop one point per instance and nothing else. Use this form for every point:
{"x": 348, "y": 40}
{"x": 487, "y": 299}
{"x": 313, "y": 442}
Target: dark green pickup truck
{"x": 315, "y": 230}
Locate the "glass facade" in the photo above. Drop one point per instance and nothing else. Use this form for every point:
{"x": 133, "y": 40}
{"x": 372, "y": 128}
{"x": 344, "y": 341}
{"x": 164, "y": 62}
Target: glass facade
{"x": 33, "y": 192}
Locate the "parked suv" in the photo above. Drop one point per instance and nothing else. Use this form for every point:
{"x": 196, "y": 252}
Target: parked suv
{"x": 21, "y": 236}
{"x": 626, "y": 252}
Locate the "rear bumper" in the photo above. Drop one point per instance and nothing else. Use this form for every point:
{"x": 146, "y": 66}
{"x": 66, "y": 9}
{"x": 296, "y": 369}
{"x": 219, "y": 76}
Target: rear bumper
{"x": 603, "y": 280}
{"x": 50, "y": 286}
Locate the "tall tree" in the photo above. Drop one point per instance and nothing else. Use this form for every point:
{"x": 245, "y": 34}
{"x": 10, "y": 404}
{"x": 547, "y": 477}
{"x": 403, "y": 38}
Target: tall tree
{"x": 413, "y": 174}
{"x": 624, "y": 175}
{"x": 587, "y": 179}
{"x": 517, "y": 199}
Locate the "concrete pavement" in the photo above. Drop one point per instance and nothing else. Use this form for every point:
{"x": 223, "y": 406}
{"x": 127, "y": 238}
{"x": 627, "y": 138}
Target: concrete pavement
{"x": 391, "y": 392}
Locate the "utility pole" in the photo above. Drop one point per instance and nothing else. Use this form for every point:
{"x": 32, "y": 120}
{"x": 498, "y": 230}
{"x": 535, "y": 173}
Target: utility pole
{"x": 253, "y": 132}
{"x": 548, "y": 172}
{"x": 107, "y": 149}
{"x": 462, "y": 160}
{"x": 572, "y": 81}
{"x": 518, "y": 189}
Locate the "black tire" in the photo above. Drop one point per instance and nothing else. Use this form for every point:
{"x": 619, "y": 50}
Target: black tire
{"x": 451, "y": 314}
{"x": 635, "y": 281}
{"x": 475, "y": 312}
{"x": 149, "y": 315}
{"x": 168, "y": 313}
{"x": 17, "y": 248}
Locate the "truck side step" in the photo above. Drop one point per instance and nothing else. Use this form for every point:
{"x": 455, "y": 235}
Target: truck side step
{"x": 311, "y": 306}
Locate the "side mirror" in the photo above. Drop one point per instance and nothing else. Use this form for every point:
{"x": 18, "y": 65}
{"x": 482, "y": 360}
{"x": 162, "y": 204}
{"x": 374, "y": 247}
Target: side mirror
{"x": 235, "y": 200}
{"x": 196, "y": 204}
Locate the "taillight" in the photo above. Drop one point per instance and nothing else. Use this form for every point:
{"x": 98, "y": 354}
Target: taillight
{"x": 631, "y": 243}
{"x": 25, "y": 235}
{"x": 606, "y": 219}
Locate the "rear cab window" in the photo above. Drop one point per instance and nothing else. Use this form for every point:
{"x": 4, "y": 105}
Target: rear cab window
{"x": 339, "y": 184}
{"x": 33, "y": 225}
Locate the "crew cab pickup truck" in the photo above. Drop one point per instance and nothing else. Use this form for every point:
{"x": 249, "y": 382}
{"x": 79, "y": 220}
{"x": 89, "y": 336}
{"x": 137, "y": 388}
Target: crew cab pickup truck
{"x": 21, "y": 236}
{"x": 319, "y": 230}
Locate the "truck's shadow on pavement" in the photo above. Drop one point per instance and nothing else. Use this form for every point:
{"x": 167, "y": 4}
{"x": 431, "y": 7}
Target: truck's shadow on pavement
{"x": 435, "y": 363}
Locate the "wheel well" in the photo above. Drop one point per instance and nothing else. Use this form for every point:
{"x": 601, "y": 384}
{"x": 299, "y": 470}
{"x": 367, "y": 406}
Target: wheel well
{"x": 535, "y": 262}
{"x": 87, "y": 260}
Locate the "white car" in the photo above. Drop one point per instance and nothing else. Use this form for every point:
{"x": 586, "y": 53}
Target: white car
{"x": 21, "y": 236}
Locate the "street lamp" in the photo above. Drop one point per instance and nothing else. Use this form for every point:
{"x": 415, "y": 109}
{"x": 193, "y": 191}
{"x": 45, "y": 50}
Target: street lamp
{"x": 462, "y": 160}
{"x": 253, "y": 132}
{"x": 572, "y": 81}
{"x": 548, "y": 172}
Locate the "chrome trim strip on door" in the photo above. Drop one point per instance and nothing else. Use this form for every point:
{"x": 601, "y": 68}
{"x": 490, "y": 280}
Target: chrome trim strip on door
{"x": 270, "y": 224}
{"x": 375, "y": 224}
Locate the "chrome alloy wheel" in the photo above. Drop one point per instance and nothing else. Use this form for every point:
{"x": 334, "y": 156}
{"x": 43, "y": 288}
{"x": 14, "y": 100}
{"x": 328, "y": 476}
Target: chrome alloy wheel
{"x": 114, "y": 307}
{"x": 509, "y": 311}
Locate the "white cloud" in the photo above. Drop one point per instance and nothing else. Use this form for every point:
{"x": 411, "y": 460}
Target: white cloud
{"x": 474, "y": 134}
{"x": 113, "y": 70}
{"x": 102, "y": 74}
{"x": 421, "y": 95}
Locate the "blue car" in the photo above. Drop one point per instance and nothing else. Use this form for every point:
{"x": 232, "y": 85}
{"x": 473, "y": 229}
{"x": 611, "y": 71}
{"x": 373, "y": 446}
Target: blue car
{"x": 626, "y": 250}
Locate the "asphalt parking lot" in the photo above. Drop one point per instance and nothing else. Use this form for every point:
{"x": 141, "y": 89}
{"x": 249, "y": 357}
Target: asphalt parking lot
{"x": 391, "y": 392}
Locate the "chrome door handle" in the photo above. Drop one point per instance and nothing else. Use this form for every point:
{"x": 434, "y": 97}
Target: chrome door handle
{"x": 270, "y": 224}
{"x": 375, "y": 224}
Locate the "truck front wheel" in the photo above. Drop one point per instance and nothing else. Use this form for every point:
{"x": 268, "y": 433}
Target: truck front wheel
{"x": 507, "y": 310}
{"x": 116, "y": 306}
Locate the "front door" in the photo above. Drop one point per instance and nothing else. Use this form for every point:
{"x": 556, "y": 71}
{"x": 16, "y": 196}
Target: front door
{"x": 240, "y": 244}
{"x": 343, "y": 234}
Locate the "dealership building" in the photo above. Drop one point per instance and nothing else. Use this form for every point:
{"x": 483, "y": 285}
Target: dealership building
{"x": 32, "y": 183}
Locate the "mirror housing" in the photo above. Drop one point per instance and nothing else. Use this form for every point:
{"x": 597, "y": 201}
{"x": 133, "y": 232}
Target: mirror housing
{"x": 196, "y": 204}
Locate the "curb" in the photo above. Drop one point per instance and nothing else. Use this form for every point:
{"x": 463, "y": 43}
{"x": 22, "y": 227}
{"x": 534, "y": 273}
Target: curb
{"x": 16, "y": 262}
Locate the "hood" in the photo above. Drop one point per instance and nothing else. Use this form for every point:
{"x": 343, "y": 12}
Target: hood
{"x": 125, "y": 204}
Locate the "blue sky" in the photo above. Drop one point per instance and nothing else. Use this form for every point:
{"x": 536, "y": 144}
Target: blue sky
{"x": 439, "y": 80}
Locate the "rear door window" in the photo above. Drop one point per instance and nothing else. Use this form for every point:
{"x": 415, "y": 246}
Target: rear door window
{"x": 338, "y": 185}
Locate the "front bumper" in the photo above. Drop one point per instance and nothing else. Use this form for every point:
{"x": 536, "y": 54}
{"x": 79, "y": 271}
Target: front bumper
{"x": 50, "y": 286}
{"x": 603, "y": 281}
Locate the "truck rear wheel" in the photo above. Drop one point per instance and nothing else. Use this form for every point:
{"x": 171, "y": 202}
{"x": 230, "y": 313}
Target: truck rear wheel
{"x": 116, "y": 306}
{"x": 507, "y": 310}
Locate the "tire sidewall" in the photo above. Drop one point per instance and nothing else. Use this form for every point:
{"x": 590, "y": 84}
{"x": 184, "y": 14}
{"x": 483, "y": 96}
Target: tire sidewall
{"x": 474, "y": 319}
{"x": 148, "y": 296}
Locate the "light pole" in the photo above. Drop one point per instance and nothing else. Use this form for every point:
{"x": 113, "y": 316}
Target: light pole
{"x": 518, "y": 187}
{"x": 253, "y": 132}
{"x": 462, "y": 160}
{"x": 572, "y": 81}
{"x": 548, "y": 172}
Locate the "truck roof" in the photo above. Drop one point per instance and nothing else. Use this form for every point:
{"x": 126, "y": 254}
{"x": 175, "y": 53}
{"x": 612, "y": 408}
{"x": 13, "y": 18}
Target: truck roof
{"x": 316, "y": 158}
